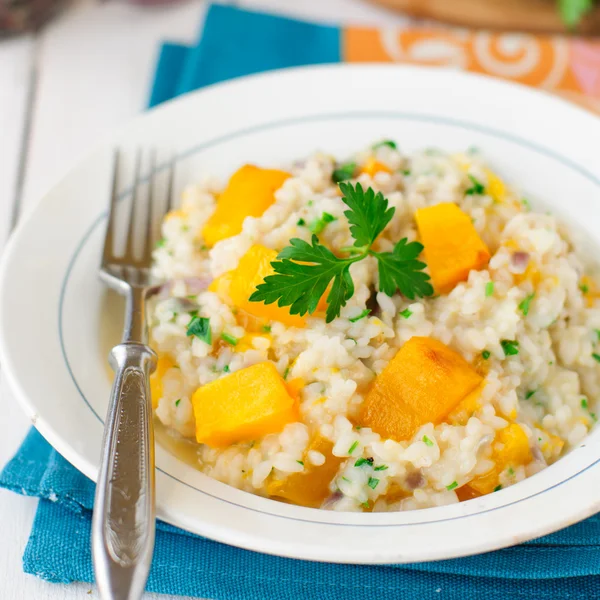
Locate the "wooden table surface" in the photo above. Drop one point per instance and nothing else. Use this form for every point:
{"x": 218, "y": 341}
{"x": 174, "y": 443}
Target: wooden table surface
{"x": 60, "y": 91}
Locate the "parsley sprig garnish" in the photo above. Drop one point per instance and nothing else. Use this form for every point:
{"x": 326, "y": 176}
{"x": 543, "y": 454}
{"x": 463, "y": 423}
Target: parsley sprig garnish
{"x": 304, "y": 271}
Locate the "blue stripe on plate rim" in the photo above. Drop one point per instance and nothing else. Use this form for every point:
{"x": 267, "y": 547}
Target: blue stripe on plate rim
{"x": 295, "y": 121}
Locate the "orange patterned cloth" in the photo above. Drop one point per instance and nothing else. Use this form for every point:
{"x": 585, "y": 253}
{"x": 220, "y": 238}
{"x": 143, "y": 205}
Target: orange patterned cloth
{"x": 566, "y": 66}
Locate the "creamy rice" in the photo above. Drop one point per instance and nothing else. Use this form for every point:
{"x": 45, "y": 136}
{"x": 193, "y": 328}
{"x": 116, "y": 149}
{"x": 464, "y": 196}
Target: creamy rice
{"x": 549, "y": 388}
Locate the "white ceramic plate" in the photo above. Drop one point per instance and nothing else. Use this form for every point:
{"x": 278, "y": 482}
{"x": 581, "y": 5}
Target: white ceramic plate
{"x": 51, "y": 305}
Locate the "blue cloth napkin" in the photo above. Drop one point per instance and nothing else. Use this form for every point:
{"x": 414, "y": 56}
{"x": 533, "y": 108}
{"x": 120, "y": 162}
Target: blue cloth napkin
{"x": 563, "y": 565}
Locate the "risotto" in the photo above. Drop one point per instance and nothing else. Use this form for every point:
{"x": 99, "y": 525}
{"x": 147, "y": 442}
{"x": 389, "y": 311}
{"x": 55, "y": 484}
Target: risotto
{"x": 391, "y": 333}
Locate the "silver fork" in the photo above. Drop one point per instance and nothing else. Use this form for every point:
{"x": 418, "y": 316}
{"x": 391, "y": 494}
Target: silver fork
{"x": 124, "y": 510}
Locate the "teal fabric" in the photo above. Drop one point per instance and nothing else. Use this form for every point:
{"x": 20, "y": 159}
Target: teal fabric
{"x": 563, "y": 565}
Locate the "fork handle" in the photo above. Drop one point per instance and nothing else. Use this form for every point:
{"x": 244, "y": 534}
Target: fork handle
{"x": 124, "y": 509}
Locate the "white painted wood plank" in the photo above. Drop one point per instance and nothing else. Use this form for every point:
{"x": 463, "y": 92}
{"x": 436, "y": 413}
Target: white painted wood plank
{"x": 96, "y": 65}
{"x": 16, "y": 62}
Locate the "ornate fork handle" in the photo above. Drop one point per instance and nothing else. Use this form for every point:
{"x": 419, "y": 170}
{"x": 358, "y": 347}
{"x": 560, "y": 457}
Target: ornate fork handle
{"x": 124, "y": 510}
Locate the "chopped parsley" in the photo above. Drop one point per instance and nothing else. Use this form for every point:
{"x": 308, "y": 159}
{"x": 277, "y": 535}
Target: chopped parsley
{"x": 511, "y": 471}
{"x": 200, "y": 327}
{"x": 489, "y": 289}
{"x": 360, "y": 316}
{"x": 266, "y": 329}
{"x": 343, "y": 172}
{"x": 596, "y": 357}
{"x": 526, "y": 303}
{"x": 373, "y": 482}
{"x": 363, "y": 461}
{"x": 300, "y": 462}
{"x": 529, "y": 394}
{"x": 366, "y": 504}
{"x": 584, "y": 404}
{"x": 346, "y": 479}
{"x": 227, "y": 337}
{"x": 406, "y": 172}
{"x": 353, "y": 447}
{"x": 318, "y": 225}
{"x": 286, "y": 373}
{"x": 389, "y": 143}
{"x": 161, "y": 243}
{"x": 304, "y": 271}
{"x": 511, "y": 347}
{"x": 427, "y": 441}
{"x": 226, "y": 369}
{"x": 498, "y": 488}
{"x": 177, "y": 401}
{"x": 301, "y": 222}
{"x": 452, "y": 486}
{"x": 381, "y": 468}
{"x": 525, "y": 202}
{"x": 477, "y": 188}
{"x": 486, "y": 354}
{"x": 406, "y": 313}
{"x": 584, "y": 288}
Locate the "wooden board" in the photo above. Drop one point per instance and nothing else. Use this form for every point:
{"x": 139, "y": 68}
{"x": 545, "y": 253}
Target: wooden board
{"x": 516, "y": 15}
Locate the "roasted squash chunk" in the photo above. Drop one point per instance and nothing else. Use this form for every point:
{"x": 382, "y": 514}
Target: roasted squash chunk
{"x": 243, "y": 406}
{"x": 311, "y": 486}
{"x": 156, "y": 387}
{"x": 373, "y": 166}
{"x": 451, "y": 243}
{"x": 510, "y": 449}
{"x": 249, "y": 193}
{"x": 424, "y": 382}
{"x": 238, "y": 285}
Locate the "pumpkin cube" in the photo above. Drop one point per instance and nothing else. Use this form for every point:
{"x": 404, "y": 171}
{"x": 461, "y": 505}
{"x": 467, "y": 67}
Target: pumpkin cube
{"x": 311, "y": 486}
{"x": 156, "y": 387}
{"x": 510, "y": 449}
{"x": 238, "y": 285}
{"x": 250, "y": 191}
{"x": 423, "y": 383}
{"x": 243, "y": 406}
{"x": 451, "y": 243}
{"x": 373, "y": 166}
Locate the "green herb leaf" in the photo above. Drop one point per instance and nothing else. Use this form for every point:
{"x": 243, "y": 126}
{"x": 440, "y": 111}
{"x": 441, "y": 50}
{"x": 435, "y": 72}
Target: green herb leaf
{"x": 300, "y": 462}
{"x": 381, "y": 468}
{"x": 399, "y": 270}
{"x": 343, "y": 172}
{"x": 304, "y": 271}
{"x": 525, "y": 202}
{"x": 572, "y": 11}
{"x": 529, "y": 394}
{"x": 366, "y": 504}
{"x": 227, "y": 337}
{"x": 266, "y": 329}
{"x": 373, "y": 482}
{"x": 427, "y": 441}
{"x": 226, "y": 369}
{"x": 597, "y": 331}
{"x": 368, "y": 215}
{"x": 177, "y": 401}
{"x": 526, "y": 303}
{"x": 301, "y": 222}
{"x": 596, "y": 357}
{"x": 584, "y": 404}
{"x": 346, "y": 479}
{"x": 476, "y": 188}
{"x": 286, "y": 373}
{"x": 406, "y": 313}
{"x": 584, "y": 288}
{"x": 406, "y": 172}
{"x": 353, "y": 447}
{"x": 511, "y": 347}
{"x": 200, "y": 328}
{"x": 363, "y": 461}
{"x": 161, "y": 243}
{"x": 486, "y": 354}
{"x": 318, "y": 225}
{"x": 498, "y": 488}
{"x": 452, "y": 486}
{"x": 360, "y": 316}
{"x": 388, "y": 143}
{"x": 489, "y": 289}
